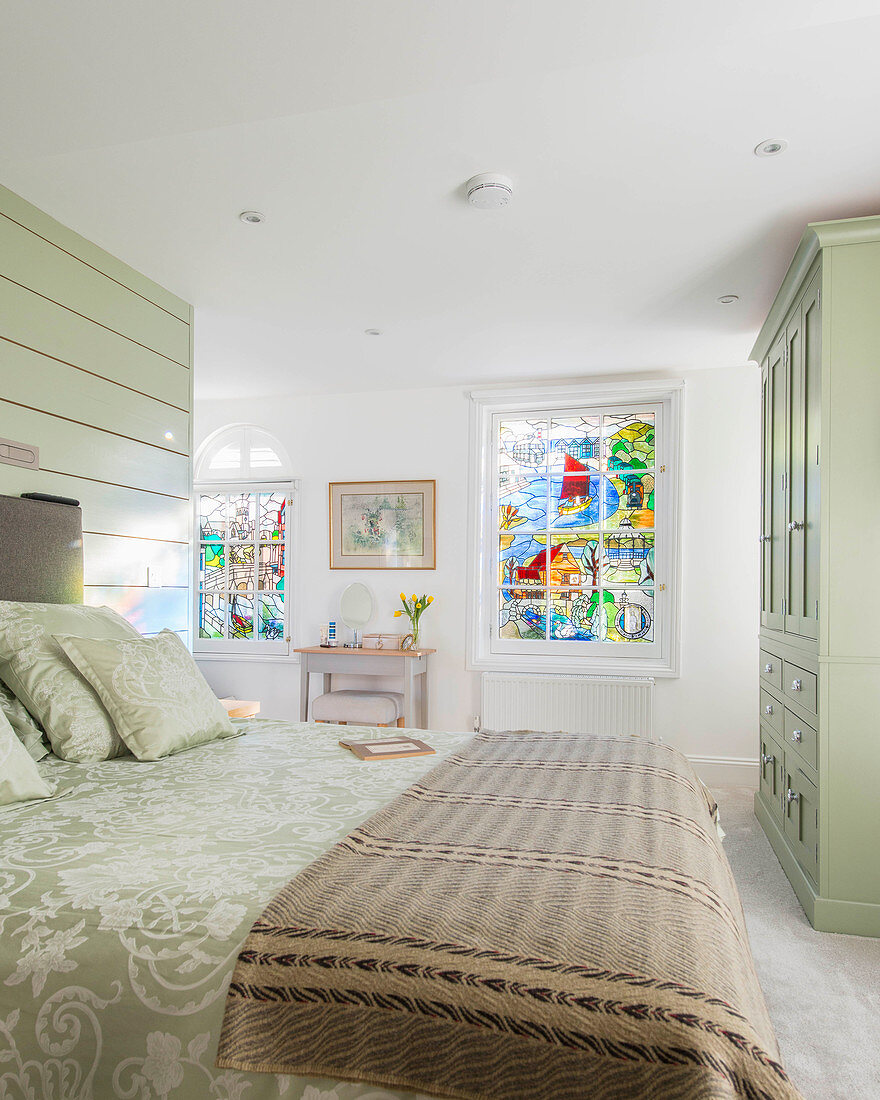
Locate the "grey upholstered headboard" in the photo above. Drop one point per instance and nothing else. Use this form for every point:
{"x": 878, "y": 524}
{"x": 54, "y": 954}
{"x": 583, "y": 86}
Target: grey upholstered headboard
{"x": 41, "y": 557}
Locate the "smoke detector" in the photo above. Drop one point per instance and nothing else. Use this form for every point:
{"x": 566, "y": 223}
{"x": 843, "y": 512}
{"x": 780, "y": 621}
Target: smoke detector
{"x": 489, "y": 190}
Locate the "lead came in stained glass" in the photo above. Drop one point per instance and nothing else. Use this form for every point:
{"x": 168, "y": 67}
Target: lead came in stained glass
{"x": 241, "y": 615}
{"x": 271, "y": 575}
{"x": 212, "y": 615}
{"x": 241, "y": 568}
{"x": 242, "y": 507}
{"x": 576, "y": 527}
{"x": 272, "y": 516}
{"x": 271, "y": 622}
{"x": 522, "y": 616}
{"x": 212, "y": 517}
{"x": 628, "y": 441}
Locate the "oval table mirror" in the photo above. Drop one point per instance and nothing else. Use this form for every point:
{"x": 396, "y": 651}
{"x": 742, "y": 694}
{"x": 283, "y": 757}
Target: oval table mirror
{"x": 356, "y": 609}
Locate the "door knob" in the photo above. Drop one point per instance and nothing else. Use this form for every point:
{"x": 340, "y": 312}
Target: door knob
{"x": 765, "y": 759}
{"x": 795, "y": 525}
{"x": 791, "y": 796}
{"x": 797, "y": 736}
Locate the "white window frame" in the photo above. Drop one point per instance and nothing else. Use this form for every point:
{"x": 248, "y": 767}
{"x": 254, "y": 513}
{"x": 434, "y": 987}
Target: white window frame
{"x": 255, "y": 649}
{"x": 486, "y": 651}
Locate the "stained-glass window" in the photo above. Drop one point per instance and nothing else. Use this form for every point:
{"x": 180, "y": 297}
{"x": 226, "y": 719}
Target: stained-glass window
{"x": 575, "y": 530}
{"x": 243, "y": 560}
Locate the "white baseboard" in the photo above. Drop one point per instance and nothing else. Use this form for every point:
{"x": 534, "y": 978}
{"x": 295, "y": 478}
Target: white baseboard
{"x": 726, "y": 771}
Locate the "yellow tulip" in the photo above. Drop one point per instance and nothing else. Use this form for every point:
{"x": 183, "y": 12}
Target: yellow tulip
{"x": 414, "y": 597}
{"x": 418, "y": 605}
{"x": 430, "y": 599}
{"x": 397, "y": 613}
{"x": 403, "y": 597}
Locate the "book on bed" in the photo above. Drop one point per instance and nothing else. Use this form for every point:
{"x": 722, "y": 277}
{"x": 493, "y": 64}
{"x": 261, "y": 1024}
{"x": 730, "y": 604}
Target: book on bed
{"x": 391, "y": 748}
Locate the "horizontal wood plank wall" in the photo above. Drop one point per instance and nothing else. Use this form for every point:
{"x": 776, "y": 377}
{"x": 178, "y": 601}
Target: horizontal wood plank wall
{"x": 95, "y": 370}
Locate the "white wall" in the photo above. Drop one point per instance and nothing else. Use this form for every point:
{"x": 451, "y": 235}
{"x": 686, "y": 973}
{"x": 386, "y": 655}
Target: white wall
{"x": 709, "y": 712}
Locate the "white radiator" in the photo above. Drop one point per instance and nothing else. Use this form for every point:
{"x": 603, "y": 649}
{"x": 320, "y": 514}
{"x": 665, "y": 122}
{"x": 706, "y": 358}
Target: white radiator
{"x": 608, "y": 705}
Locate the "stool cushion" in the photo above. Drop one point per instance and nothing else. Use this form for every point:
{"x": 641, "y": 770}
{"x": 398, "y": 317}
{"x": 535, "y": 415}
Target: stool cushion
{"x": 366, "y": 708}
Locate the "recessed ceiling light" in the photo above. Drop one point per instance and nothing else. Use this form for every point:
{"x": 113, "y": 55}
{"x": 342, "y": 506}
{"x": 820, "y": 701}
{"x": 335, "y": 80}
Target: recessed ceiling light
{"x": 251, "y": 217}
{"x": 372, "y": 332}
{"x": 771, "y": 147}
{"x": 169, "y": 435}
{"x": 727, "y": 299}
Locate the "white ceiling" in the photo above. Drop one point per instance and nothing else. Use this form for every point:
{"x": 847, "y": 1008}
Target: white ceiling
{"x": 627, "y": 128}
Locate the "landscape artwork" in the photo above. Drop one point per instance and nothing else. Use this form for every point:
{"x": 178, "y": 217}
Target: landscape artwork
{"x": 382, "y": 525}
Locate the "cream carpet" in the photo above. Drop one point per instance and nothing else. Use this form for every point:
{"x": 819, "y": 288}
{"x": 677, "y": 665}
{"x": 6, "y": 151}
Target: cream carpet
{"x": 823, "y": 990}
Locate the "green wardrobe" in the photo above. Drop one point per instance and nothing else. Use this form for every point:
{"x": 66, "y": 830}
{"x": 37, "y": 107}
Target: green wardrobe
{"x": 819, "y": 796}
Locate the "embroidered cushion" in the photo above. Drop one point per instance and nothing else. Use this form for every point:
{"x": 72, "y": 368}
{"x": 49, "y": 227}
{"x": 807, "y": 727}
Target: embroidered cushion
{"x": 43, "y": 679}
{"x": 26, "y": 728}
{"x": 152, "y": 689}
{"x": 19, "y": 778}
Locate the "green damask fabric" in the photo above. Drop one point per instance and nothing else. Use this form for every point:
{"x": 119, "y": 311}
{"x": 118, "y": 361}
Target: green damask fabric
{"x": 35, "y": 667}
{"x": 29, "y": 733}
{"x": 159, "y": 701}
{"x": 124, "y": 903}
{"x": 19, "y": 778}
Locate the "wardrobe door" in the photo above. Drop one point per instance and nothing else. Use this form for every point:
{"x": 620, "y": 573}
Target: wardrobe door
{"x": 774, "y": 518}
{"x": 794, "y": 537}
{"x": 803, "y": 345}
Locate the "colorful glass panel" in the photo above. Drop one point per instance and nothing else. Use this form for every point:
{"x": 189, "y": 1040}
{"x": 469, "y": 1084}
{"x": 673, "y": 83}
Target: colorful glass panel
{"x": 241, "y": 567}
{"x": 522, "y": 618}
{"x": 628, "y": 441}
{"x": 576, "y": 437}
{"x": 271, "y": 572}
{"x": 270, "y": 626}
{"x": 523, "y": 502}
{"x": 628, "y": 557}
{"x": 241, "y": 615}
{"x": 581, "y": 499}
{"x": 212, "y": 517}
{"x": 242, "y": 515}
{"x": 523, "y": 444}
{"x": 212, "y": 566}
{"x": 635, "y": 500}
{"x": 212, "y": 615}
{"x": 633, "y": 615}
{"x": 524, "y": 562}
{"x": 573, "y": 617}
{"x": 273, "y": 508}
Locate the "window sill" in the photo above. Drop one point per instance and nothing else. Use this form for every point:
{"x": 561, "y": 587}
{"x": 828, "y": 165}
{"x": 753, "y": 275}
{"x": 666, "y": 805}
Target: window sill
{"x": 574, "y": 666}
{"x": 261, "y": 658}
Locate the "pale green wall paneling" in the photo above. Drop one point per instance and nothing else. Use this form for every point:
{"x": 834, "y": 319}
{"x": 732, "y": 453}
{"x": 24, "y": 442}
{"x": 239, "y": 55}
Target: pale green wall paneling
{"x": 40, "y": 266}
{"x": 37, "y": 323}
{"x": 94, "y": 370}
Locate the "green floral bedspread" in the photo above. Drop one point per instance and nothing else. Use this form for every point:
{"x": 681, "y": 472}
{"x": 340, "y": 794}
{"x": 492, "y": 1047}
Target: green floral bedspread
{"x": 124, "y": 901}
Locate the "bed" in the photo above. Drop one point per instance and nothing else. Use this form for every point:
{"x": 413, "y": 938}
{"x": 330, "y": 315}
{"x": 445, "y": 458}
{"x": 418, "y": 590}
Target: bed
{"x": 151, "y": 910}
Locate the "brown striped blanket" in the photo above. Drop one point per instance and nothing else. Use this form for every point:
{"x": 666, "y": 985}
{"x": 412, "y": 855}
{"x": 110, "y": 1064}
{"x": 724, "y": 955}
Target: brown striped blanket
{"x": 542, "y": 917}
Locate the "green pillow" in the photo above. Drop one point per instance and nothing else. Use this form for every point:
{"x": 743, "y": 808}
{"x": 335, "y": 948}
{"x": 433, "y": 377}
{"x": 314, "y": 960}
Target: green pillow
{"x": 42, "y": 678}
{"x": 153, "y": 691}
{"x": 19, "y": 778}
{"x": 27, "y": 730}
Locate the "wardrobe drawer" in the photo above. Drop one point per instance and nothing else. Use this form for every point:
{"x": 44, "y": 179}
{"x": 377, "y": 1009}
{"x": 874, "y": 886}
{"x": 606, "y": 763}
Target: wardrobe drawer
{"x": 800, "y": 686}
{"x": 772, "y": 772}
{"x": 771, "y": 669}
{"x": 801, "y": 825}
{"x": 771, "y": 713}
{"x": 801, "y": 737}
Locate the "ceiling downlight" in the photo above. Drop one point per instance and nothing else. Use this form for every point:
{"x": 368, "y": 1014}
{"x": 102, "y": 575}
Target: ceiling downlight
{"x": 771, "y": 147}
{"x": 251, "y": 217}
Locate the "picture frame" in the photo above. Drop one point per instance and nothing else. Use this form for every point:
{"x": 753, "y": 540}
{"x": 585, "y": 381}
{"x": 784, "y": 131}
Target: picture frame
{"x": 383, "y": 524}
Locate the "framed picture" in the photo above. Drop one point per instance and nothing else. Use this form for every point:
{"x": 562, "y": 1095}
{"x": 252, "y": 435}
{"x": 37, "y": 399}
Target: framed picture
{"x": 382, "y": 525}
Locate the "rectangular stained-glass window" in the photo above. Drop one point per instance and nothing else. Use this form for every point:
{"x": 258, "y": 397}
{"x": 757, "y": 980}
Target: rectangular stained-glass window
{"x": 575, "y": 540}
{"x": 243, "y": 560}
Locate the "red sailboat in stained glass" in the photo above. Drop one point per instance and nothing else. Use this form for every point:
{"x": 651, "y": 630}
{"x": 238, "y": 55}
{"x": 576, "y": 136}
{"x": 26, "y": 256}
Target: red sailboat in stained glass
{"x": 576, "y": 493}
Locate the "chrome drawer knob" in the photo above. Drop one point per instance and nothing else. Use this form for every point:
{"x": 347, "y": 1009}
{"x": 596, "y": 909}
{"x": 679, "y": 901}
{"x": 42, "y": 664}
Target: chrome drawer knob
{"x": 797, "y": 736}
{"x": 765, "y": 538}
{"x": 768, "y": 709}
{"x": 795, "y": 526}
{"x": 795, "y": 685}
{"x": 765, "y": 759}
{"x": 768, "y": 668}
{"x": 791, "y": 796}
